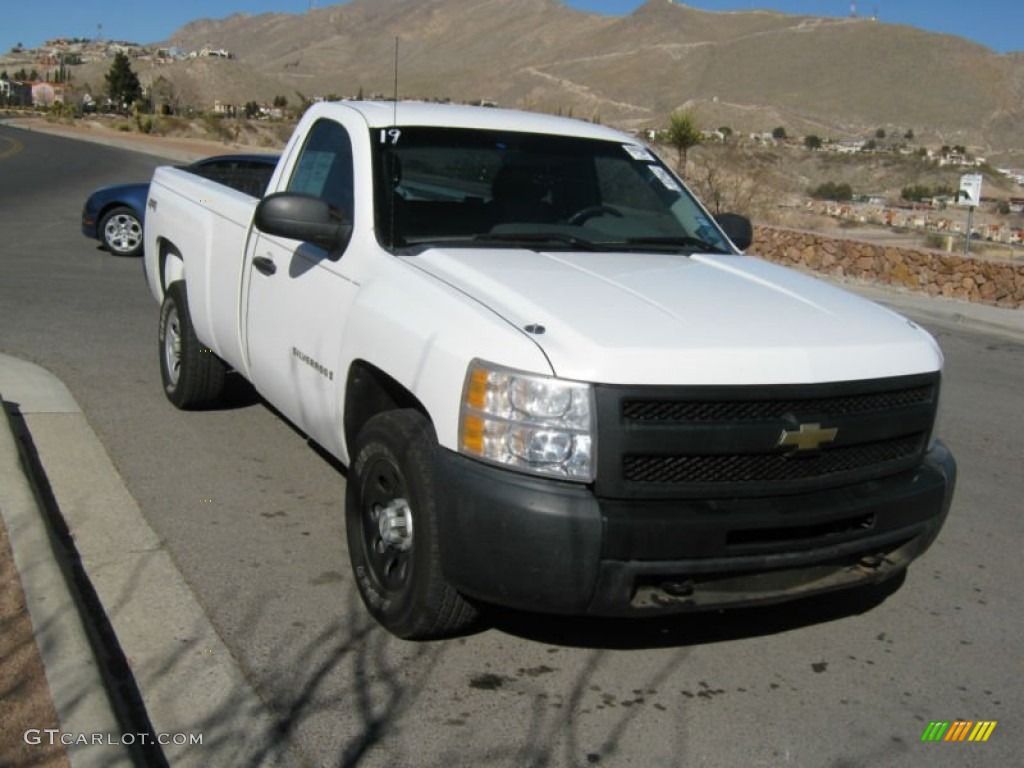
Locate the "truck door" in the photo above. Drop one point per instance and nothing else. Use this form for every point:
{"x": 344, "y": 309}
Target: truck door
{"x": 299, "y": 299}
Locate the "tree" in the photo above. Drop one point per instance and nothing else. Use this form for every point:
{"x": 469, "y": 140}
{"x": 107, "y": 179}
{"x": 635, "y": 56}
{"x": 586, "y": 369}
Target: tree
{"x": 122, "y": 83}
{"x": 728, "y": 177}
{"x": 915, "y": 193}
{"x": 252, "y": 109}
{"x": 812, "y": 142}
{"x": 869, "y": 145}
{"x": 281, "y": 101}
{"x": 909, "y": 135}
{"x": 682, "y": 134}
{"x": 832, "y": 191}
{"x": 779, "y": 133}
{"x": 726, "y": 131}
{"x": 163, "y": 96}
{"x": 880, "y": 133}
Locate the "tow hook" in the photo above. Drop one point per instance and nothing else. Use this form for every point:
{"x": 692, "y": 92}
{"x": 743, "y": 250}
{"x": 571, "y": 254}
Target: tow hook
{"x": 872, "y": 562}
{"x": 683, "y": 588}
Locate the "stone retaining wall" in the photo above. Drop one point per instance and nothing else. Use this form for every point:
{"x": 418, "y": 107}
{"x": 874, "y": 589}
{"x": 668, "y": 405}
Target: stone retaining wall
{"x": 998, "y": 282}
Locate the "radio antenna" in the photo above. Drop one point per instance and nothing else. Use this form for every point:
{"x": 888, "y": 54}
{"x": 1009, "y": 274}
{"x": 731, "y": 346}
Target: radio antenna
{"x": 396, "y": 79}
{"x": 393, "y": 159}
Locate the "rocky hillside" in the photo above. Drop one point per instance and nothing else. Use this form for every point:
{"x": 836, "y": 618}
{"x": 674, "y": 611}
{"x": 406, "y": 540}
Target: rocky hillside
{"x": 752, "y": 71}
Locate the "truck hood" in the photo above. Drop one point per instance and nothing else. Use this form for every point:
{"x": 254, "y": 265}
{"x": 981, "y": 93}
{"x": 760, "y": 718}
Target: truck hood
{"x": 651, "y": 318}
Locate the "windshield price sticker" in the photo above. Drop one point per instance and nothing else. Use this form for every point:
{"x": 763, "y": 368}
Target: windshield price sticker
{"x": 665, "y": 178}
{"x": 638, "y": 153}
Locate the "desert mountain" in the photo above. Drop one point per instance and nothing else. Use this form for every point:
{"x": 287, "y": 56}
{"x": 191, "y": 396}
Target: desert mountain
{"x": 752, "y": 71}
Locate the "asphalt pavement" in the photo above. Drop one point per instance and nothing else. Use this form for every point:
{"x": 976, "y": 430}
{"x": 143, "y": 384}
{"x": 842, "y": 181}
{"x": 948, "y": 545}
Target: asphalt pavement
{"x": 130, "y": 654}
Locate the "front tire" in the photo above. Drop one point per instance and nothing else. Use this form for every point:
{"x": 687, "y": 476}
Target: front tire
{"x": 391, "y": 526}
{"x": 121, "y": 231}
{"x": 192, "y": 375}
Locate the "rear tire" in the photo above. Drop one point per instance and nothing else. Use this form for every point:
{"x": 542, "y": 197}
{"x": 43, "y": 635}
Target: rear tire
{"x": 121, "y": 231}
{"x": 192, "y": 375}
{"x": 391, "y": 526}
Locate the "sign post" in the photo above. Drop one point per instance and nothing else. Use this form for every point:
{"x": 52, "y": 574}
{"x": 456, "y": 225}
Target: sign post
{"x": 969, "y": 195}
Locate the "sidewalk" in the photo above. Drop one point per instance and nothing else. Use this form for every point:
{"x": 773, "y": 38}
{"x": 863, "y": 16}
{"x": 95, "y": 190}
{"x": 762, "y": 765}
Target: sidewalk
{"x": 136, "y": 671}
{"x": 127, "y": 650}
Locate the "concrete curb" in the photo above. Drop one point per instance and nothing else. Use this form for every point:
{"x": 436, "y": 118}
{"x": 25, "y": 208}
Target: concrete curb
{"x": 72, "y": 673}
{"x": 190, "y": 684}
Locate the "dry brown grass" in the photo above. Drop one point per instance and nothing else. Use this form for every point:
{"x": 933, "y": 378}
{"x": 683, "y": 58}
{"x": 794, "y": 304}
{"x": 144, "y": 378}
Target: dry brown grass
{"x": 23, "y": 686}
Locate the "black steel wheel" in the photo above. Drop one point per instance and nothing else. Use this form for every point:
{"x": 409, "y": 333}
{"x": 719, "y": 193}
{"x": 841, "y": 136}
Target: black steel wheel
{"x": 391, "y": 527}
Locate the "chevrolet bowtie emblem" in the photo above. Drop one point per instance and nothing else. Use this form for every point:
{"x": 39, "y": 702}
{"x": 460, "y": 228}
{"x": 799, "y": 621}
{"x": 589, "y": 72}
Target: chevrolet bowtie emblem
{"x": 810, "y": 437}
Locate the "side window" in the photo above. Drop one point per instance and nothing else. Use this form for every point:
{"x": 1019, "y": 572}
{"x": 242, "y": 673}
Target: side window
{"x": 324, "y": 167}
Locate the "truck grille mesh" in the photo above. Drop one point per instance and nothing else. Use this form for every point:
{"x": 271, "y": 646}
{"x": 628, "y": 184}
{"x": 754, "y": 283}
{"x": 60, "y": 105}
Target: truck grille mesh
{"x": 759, "y": 468}
{"x": 754, "y": 410}
{"x": 716, "y": 442}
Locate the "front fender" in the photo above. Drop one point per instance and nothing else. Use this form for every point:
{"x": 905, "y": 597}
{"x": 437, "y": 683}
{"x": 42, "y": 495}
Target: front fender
{"x": 424, "y": 333}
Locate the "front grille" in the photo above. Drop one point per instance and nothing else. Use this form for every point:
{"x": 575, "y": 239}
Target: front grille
{"x": 713, "y": 442}
{"x": 767, "y": 467}
{"x": 753, "y": 410}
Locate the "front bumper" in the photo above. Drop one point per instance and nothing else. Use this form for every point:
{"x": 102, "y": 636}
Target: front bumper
{"x": 89, "y": 225}
{"x": 551, "y": 546}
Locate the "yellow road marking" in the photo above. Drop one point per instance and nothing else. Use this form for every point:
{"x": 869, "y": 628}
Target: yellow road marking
{"x": 13, "y": 148}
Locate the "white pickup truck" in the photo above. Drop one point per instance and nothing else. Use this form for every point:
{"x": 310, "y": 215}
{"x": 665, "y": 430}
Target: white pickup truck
{"x": 555, "y": 380}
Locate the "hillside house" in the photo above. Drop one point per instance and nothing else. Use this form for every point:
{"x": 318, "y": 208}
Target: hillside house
{"x": 48, "y": 94}
{"x": 845, "y": 147}
{"x": 16, "y": 94}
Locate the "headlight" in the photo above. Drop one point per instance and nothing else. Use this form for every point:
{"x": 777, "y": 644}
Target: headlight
{"x": 528, "y": 422}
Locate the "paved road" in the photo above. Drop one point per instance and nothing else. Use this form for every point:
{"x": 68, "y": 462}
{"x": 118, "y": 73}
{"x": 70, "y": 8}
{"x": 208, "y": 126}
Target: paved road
{"x": 252, "y": 516}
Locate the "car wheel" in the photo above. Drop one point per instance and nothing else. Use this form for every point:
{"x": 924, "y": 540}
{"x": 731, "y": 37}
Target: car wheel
{"x": 192, "y": 375}
{"x": 391, "y": 526}
{"x": 121, "y": 231}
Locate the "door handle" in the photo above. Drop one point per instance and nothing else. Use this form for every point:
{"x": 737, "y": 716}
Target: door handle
{"x": 264, "y": 264}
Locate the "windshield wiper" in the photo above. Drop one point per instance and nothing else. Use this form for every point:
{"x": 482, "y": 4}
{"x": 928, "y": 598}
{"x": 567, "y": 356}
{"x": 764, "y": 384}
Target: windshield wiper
{"x": 693, "y": 243}
{"x": 538, "y": 238}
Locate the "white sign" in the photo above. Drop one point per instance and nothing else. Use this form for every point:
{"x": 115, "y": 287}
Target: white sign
{"x": 970, "y": 190}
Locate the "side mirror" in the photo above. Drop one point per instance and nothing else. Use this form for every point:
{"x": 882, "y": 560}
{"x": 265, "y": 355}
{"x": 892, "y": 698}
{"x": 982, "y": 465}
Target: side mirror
{"x": 301, "y": 217}
{"x": 738, "y": 228}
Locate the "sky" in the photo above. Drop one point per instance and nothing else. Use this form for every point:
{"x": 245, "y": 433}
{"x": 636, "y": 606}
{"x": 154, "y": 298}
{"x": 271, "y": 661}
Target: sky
{"x": 998, "y": 24}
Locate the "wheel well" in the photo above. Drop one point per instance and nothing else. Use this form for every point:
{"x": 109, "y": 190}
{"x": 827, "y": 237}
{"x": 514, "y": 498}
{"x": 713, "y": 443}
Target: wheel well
{"x": 371, "y": 391}
{"x": 111, "y": 206}
{"x": 168, "y": 252}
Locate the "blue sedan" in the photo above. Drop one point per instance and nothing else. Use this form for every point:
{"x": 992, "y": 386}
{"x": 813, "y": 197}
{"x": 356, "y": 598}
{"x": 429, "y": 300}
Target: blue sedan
{"x": 114, "y": 214}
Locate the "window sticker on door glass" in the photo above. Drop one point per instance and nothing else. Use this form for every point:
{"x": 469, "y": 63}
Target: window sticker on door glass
{"x": 638, "y": 153}
{"x": 665, "y": 178}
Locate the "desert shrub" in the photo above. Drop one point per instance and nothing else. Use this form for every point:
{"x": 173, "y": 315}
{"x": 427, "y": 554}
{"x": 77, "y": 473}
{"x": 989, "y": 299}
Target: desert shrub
{"x": 831, "y": 190}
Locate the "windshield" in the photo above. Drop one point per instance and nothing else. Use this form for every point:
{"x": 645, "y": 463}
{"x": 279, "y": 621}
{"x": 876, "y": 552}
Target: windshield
{"x": 461, "y": 186}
